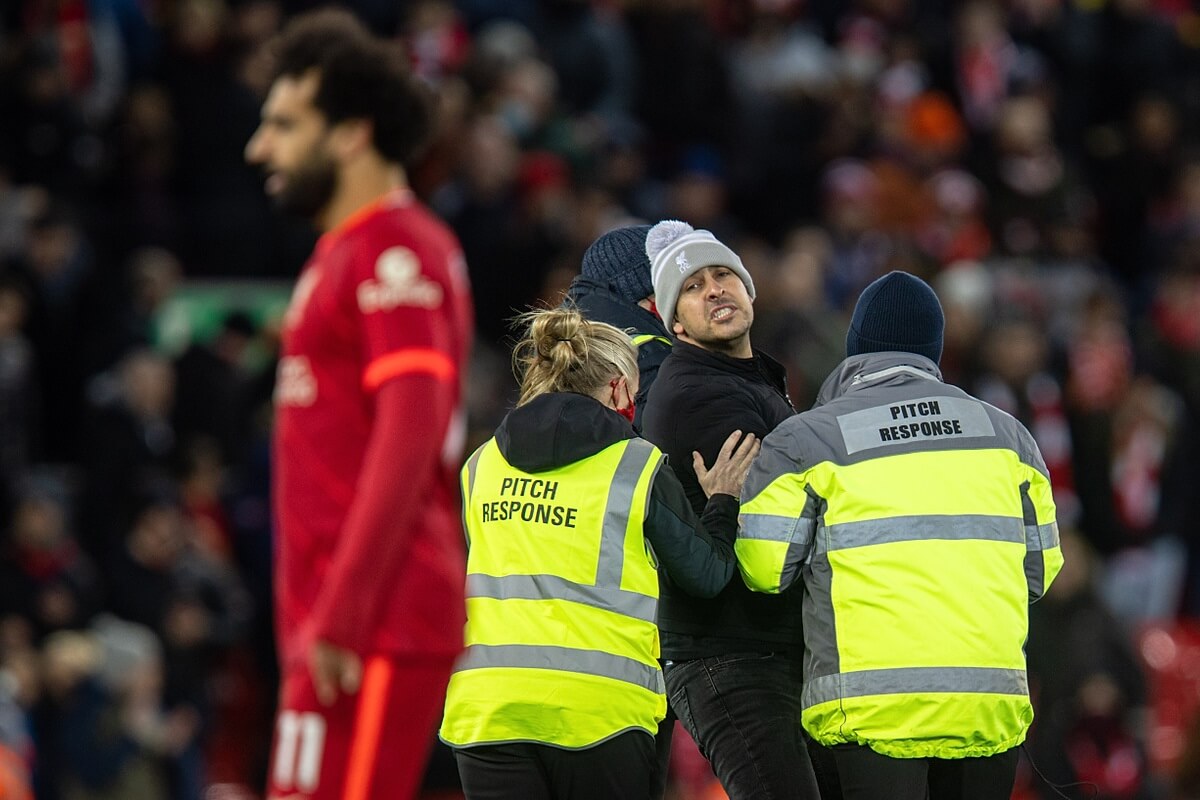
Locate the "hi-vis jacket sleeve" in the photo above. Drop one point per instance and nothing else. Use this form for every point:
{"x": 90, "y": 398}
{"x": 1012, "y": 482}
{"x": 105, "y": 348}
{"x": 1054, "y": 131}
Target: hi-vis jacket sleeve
{"x": 778, "y": 516}
{"x": 1043, "y": 553}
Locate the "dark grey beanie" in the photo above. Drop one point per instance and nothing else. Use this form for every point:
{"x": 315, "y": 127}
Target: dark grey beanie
{"x": 897, "y": 312}
{"x": 618, "y": 258}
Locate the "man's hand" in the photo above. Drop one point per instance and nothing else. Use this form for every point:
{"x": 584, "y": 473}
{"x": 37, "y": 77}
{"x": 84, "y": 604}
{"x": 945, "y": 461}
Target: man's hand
{"x": 728, "y": 472}
{"x": 333, "y": 670}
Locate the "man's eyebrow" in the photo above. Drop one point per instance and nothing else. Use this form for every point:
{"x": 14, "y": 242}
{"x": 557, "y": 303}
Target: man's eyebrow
{"x": 277, "y": 118}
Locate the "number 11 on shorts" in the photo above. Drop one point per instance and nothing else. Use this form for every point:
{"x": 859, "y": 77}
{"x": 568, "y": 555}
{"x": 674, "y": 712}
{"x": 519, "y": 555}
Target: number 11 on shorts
{"x": 299, "y": 744}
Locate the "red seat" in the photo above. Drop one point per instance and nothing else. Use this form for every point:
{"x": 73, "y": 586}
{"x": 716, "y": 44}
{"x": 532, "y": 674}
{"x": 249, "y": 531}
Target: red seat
{"x": 1171, "y": 656}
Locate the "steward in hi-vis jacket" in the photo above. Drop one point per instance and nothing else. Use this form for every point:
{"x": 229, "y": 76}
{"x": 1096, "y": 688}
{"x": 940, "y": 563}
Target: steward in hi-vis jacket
{"x": 568, "y": 516}
{"x": 921, "y": 524}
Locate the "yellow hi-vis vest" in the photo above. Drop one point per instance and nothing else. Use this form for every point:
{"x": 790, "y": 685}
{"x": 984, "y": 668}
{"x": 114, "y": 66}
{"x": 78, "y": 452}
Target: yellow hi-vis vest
{"x": 641, "y": 338}
{"x": 921, "y": 523}
{"x": 562, "y": 645}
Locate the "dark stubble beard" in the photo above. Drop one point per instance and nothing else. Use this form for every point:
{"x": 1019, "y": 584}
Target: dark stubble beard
{"x": 724, "y": 343}
{"x": 309, "y": 188}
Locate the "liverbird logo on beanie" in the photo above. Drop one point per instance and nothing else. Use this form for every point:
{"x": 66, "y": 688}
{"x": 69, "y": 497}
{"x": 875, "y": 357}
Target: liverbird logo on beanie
{"x": 682, "y": 261}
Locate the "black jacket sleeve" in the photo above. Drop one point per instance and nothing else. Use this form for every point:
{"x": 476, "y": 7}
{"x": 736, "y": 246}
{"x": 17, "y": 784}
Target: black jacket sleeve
{"x": 696, "y": 553}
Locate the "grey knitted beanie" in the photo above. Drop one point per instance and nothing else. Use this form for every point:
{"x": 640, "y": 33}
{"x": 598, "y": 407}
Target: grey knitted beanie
{"x": 677, "y": 250}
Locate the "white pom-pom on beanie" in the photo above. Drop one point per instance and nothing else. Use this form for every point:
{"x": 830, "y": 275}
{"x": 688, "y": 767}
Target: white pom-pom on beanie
{"x": 677, "y": 250}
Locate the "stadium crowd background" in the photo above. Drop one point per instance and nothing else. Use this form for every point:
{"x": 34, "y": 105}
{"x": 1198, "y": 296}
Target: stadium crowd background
{"x": 1037, "y": 160}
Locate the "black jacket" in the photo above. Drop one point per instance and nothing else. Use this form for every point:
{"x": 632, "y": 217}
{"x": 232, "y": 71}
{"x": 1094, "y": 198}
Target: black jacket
{"x": 699, "y": 398}
{"x": 599, "y": 302}
{"x": 554, "y": 430}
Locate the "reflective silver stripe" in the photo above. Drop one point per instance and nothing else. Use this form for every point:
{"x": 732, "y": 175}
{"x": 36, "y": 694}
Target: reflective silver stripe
{"x": 889, "y": 372}
{"x": 1035, "y": 565}
{"x": 796, "y": 532}
{"x": 914, "y": 680}
{"x": 618, "y": 510}
{"x": 778, "y": 528}
{"x": 563, "y": 659}
{"x": 552, "y": 587}
{"x": 769, "y": 527}
{"x": 1042, "y": 537}
{"x": 797, "y": 553}
{"x": 472, "y": 465}
{"x": 1039, "y": 538}
{"x": 908, "y": 529}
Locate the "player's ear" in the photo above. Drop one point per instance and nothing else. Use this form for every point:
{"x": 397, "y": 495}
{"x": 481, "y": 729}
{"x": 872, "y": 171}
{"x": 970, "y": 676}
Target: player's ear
{"x": 350, "y": 137}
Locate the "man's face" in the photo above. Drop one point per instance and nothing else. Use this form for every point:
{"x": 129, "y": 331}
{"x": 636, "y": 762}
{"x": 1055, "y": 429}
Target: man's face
{"x": 714, "y": 311}
{"x": 291, "y": 144}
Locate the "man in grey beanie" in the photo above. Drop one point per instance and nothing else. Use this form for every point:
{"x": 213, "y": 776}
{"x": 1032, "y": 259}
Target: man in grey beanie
{"x": 732, "y": 663}
{"x": 920, "y": 524}
{"x": 614, "y": 286}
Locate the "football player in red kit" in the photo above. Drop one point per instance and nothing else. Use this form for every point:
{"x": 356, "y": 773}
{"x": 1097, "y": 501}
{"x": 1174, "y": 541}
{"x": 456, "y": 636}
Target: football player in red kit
{"x": 368, "y": 428}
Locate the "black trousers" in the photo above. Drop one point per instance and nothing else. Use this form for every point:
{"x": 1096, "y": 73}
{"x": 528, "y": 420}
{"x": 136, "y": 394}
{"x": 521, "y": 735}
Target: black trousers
{"x": 743, "y": 710}
{"x": 622, "y": 767}
{"x": 867, "y": 775}
{"x": 822, "y": 762}
{"x": 662, "y": 756}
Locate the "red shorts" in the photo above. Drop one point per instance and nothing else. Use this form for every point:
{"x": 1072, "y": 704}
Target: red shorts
{"x": 368, "y": 746}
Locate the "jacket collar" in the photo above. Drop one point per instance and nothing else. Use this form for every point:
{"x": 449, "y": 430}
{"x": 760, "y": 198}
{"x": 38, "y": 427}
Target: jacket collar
{"x": 557, "y": 429}
{"x": 593, "y": 296}
{"x": 760, "y": 368}
{"x": 760, "y": 364}
{"x": 873, "y": 369}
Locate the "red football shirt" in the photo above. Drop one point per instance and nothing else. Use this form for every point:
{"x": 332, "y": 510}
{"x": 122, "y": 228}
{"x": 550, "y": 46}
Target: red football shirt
{"x": 368, "y": 439}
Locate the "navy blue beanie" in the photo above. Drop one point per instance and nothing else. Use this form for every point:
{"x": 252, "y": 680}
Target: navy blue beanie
{"x": 618, "y": 258}
{"x": 897, "y": 312}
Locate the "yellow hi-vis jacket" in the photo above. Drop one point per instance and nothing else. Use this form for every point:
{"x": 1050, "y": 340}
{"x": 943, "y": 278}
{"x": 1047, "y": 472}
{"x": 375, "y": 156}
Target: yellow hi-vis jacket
{"x": 562, "y": 645}
{"x": 921, "y": 523}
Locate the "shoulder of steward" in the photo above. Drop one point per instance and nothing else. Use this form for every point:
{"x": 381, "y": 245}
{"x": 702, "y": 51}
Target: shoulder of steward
{"x": 821, "y": 434}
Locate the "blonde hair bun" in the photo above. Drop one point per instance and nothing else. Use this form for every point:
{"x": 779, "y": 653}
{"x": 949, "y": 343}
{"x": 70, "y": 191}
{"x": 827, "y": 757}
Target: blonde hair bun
{"x": 563, "y": 351}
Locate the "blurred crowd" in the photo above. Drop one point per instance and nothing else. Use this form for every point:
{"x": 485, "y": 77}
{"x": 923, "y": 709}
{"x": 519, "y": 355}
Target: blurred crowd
{"x": 1038, "y": 161}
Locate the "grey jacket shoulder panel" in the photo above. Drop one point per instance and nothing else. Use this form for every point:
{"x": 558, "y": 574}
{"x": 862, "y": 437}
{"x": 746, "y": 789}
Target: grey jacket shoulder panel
{"x": 891, "y": 403}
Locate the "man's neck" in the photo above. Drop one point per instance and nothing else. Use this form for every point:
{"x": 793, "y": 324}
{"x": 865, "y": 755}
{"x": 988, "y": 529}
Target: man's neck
{"x": 737, "y": 348}
{"x": 360, "y": 184}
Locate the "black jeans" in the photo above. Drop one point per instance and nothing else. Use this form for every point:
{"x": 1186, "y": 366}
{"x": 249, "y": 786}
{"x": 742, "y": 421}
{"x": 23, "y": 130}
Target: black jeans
{"x": 743, "y": 710}
{"x": 621, "y": 767}
{"x": 867, "y": 775}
